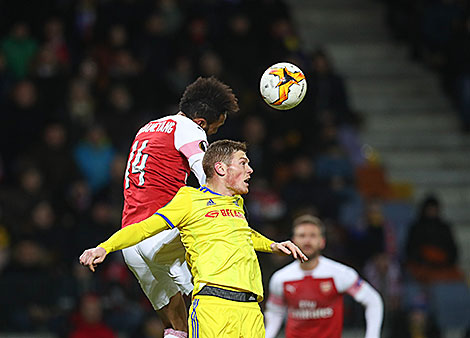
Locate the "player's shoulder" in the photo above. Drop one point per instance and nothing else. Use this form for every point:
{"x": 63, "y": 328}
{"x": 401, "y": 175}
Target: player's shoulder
{"x": 184, "y": 195}
{"x": 342, "y": 274}
{"x": 289, "y": 272}
{"x": 333, "y": 266}
{"x": 185, "y": 122}
{"x": 187, "y": 190}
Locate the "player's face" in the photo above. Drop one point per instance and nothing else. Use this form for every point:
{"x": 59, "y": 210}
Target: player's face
{"x": 238, "y": 173}
{"x": 309, "y": 239}
{"x": 213, "y": 127}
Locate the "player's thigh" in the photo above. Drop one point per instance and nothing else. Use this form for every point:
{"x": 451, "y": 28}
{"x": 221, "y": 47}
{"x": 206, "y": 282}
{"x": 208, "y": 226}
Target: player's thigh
{"x": 159, "y": 253}
{"x": 159, "y": 282}
{"x": 213, "y": 317}
{"x": 171, "y": 256}
{"x": 163, "y": 248}
{"x": 253, "y": 321}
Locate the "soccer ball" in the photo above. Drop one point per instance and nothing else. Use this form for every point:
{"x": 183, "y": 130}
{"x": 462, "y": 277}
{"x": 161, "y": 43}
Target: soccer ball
{"x": 283, "y": 86}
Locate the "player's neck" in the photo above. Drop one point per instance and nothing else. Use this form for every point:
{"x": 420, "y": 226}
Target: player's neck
{"x": 311, "y": 264}
{"x": 219, "y": 188}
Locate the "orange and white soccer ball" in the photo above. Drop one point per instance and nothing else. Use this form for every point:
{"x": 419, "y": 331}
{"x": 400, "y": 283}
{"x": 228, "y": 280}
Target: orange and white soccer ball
{"x": 283, "y": 86}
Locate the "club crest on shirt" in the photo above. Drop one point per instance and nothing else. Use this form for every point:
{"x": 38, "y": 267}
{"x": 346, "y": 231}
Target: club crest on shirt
{"x": 326, "y": 287}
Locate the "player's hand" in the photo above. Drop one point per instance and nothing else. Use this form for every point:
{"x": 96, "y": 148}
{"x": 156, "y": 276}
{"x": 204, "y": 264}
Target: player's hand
{"x": 92, "y": 257}
{"x": 289, "y": 248}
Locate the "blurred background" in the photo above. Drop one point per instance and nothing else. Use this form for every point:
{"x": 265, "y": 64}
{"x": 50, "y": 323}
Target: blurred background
{"x": 379, "y": 148}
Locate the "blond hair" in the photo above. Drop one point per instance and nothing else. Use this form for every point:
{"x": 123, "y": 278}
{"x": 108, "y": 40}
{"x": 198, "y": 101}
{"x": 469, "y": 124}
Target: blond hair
{"x": 309, "y": 219}
{"x": 220, "y": 151}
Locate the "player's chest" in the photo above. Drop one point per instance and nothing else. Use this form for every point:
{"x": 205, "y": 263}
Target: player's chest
{"x": 310, "y": 292}
{"x": 219, "y": 216}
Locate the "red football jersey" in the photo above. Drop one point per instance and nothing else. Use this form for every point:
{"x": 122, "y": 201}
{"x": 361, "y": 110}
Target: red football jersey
{"x": 313, "y": 299}
{"x": 161, "y": 157}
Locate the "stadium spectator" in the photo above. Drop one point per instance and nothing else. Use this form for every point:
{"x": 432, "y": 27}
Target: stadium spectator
{"x": 119, "y": 109}
{"x": 152, "y": 327}
{"x": 19, "y": 200}
{"x": 50, "y": 77}
{"x": 21, "y": 115}
{"x": 80, "y": 106}
{"x": 374, "y": 234}
{"x": 431, "y": 250}
{"x": 327, "y": 90}
{"x": 431, "y": 257}
{"x": 55, "y": 145}
{"x": 334, "y": 169}
{"x": 27, "y": 305}
{"x": 55, "y": 40}
{"x": 306, "y": 190}
{"x": 19, "y": 49}
{"x": 178, "y": 76}
{"x": 93, "y": 156}
{"x": 88, "y": 321}
{"x": 6, "y": 80}
{"x": 254, "y": 132}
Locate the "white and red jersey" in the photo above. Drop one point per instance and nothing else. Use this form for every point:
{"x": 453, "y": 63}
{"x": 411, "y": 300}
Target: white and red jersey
{"x": 312, "y": 299}
{"x": 162, "y": 155}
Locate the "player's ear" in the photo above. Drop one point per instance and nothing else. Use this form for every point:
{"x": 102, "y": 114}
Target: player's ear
{"x": 219, "y": 168}
{"x": 201, "y": 122}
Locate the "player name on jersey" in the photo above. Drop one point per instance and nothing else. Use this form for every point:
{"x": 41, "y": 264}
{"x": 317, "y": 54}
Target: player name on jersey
{"x": 162, "y": 126}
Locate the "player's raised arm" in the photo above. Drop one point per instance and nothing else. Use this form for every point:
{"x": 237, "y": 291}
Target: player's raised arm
{"x": 124, "y": 238}
{"x": 264, "y": 244}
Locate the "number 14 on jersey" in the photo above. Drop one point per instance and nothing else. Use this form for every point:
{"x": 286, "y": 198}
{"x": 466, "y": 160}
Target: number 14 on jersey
{"x": 136, "y": 163}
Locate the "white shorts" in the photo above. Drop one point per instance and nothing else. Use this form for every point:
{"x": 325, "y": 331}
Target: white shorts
{"x": 159, "y": 265}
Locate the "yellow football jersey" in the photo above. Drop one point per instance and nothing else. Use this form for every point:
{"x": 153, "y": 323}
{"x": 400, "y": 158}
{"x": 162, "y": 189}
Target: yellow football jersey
{"x": 217, "y": 238}
{"x": 220, "y": 246}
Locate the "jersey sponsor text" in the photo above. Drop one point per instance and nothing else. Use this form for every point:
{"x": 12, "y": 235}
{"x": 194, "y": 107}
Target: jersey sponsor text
{"x": 308, "y": 310}
{"x": 225, "y": 213}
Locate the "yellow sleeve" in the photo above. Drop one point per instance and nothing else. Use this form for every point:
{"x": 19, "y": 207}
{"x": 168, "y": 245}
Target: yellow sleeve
{"x": 261, "y": 243}
{"x": 169, "y": 216}
{"x": 135, "y": 233}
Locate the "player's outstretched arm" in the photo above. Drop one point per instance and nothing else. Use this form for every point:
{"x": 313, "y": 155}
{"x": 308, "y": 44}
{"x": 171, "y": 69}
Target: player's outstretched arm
{"x": 122, "y": 239}
{"x": 260, "y": 242}
{"x": 289, "y": 248}
{"x": 264, "y": 244}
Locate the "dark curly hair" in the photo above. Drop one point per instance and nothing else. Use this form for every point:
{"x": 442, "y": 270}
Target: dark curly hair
{"x": 208, "y": 98}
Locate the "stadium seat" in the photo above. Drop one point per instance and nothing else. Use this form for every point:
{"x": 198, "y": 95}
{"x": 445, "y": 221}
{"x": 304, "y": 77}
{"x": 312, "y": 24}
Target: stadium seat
{"x": 450, "y": 304}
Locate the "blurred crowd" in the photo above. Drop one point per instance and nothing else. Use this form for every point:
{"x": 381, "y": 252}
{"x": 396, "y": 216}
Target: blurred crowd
{"x": 78, "y": 79}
